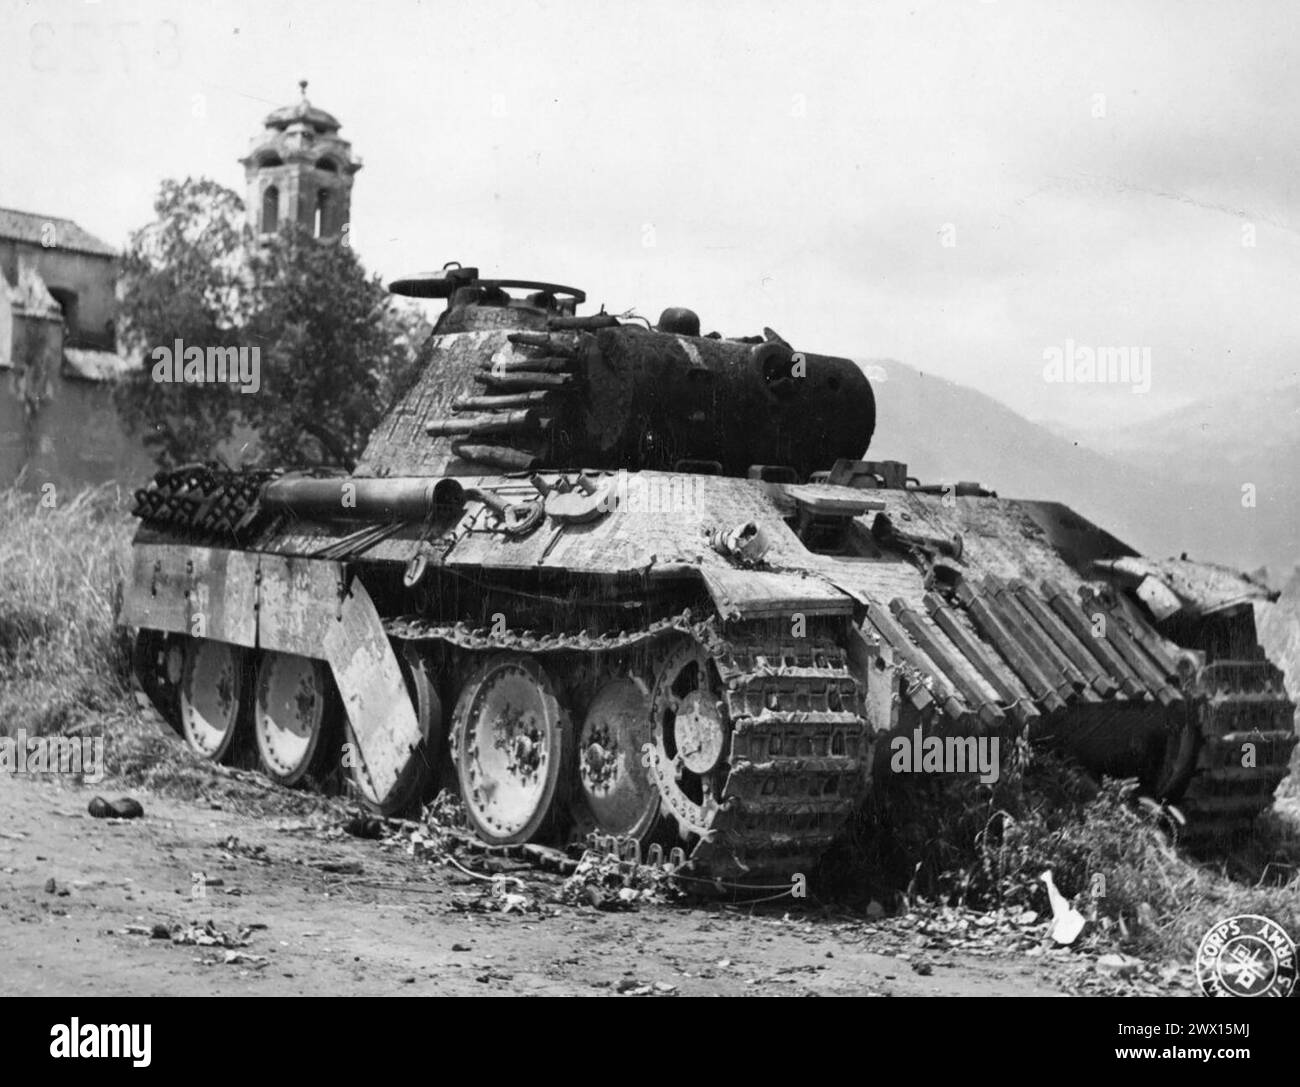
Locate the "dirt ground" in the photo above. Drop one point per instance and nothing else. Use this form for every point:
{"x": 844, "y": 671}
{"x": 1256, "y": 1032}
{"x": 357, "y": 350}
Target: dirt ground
{"x": 345, "y": 915}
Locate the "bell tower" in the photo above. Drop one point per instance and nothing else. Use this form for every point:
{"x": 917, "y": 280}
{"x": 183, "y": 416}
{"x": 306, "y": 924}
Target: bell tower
{"x": 300, "y": 170}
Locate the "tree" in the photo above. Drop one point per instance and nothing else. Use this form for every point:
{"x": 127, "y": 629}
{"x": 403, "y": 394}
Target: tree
{"x": 334, "y": 351}
{"x": 182, "y": 279}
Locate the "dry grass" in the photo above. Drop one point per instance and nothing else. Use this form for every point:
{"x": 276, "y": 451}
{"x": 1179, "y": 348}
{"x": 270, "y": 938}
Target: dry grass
{"x": 63, "y": 667}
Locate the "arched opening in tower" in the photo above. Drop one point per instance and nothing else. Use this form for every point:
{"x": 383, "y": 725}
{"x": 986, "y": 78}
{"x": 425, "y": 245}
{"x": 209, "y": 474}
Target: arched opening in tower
{"x": 322, "y": 202}
{"x": 270, "y": 210}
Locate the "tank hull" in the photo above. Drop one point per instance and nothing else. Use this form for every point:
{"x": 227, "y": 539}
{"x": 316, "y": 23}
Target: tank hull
{"x": 821, "y": 650}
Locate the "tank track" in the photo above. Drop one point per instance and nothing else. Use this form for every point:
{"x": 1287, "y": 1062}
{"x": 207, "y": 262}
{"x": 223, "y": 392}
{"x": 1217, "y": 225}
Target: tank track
{"x": 800, "y": 752}
{"x": 800, "y": 756}
{"x": 1237, "y": 703}
{"x": 479, "y": 639}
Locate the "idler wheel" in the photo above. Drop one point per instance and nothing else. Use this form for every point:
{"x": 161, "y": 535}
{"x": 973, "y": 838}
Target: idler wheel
{"x": 295, "y": 718}
{"x": 508, "y": 738}
{"x": 158, "y": 660}
{"x": 214, "y": 698}
{"x": 620, "y": 795}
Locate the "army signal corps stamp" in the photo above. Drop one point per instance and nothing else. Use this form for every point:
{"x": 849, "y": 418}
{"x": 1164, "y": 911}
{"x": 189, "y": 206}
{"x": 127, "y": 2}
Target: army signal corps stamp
{"x": 1246, "y": 955}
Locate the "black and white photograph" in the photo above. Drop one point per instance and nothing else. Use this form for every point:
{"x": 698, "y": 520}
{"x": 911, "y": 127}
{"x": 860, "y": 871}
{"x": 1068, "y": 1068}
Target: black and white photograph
{"x": 649, "y": 500}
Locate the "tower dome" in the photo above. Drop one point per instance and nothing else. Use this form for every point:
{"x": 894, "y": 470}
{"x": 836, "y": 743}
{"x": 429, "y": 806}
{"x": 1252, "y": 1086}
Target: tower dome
{"x": 300, "y": 170}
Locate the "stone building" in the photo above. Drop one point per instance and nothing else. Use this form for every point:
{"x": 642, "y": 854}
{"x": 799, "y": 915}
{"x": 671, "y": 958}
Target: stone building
{"x": 58, "y": 356}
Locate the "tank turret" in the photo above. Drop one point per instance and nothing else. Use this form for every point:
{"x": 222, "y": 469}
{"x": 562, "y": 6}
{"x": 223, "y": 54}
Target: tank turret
{"x": 528, "y": 385}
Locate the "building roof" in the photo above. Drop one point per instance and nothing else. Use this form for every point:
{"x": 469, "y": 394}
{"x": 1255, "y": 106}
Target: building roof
{"x": 27, "y": 226}
{"x": 304, "y": 111}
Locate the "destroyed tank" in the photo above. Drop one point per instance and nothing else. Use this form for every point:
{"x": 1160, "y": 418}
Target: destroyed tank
{"x": 599, "y": 577}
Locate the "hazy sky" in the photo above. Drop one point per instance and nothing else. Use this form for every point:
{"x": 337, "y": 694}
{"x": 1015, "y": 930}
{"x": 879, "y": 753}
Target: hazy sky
{"x": 1101, "y": 167}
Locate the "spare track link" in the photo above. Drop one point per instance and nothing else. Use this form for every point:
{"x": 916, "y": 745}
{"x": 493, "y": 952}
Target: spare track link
{"x": 800, "y": 743}
{"x": 206, "y": 500}
{"x": 1238, "y": 703}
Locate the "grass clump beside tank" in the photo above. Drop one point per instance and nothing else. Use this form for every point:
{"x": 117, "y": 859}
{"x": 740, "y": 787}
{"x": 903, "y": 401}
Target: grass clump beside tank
{"x": 63, "y": 667}
{"x": 956, "y": 842}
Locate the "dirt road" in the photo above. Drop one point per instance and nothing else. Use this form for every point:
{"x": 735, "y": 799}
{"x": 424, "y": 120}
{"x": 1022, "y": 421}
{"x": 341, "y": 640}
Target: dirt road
{"x": 334, "y": 931}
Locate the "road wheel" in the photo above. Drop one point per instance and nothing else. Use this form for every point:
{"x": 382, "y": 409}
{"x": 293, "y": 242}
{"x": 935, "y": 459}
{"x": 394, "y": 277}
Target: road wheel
{"x": 619, "y": 793}
{"x": 508, "y": 746}
{"x": 296, "y": 718}
{"x": 214, "y": 698}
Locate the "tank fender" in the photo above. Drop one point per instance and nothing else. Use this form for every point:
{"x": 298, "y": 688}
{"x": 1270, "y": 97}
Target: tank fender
{"x": 201, "y": 592}
{"x": 311, "y": 607}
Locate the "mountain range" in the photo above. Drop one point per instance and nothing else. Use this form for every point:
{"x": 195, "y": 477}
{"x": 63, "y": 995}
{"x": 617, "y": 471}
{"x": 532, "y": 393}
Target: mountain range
{"x": 1218, "y": 479}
